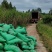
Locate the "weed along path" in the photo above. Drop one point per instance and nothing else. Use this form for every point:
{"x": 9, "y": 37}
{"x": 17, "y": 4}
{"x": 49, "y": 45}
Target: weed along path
{"x": 31, "y": 29}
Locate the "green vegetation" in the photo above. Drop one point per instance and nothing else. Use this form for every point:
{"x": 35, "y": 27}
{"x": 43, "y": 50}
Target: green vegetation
{"x": 9, "y": 14}
{"x": 47, "y": 19}
{"x": 44, "y": 28}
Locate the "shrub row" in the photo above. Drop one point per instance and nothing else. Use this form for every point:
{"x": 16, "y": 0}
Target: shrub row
{"x": 47, "y": 19}
{"x": 45, "y": 32}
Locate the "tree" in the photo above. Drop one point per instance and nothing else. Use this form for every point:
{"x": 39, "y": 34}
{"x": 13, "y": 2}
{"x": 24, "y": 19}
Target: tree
{"x": 10, "y": 5}
{"x": 5, "y": 4}
{"x": 32, "y": 10}
{"x": 14, "y": 7}
{"x": 39, "y": 10}
{"x": 29, "y": 10}
{"x": 50, "y": 12}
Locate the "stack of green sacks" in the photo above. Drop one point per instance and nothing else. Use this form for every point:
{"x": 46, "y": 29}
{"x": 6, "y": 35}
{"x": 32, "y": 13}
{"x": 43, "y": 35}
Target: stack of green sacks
{"x": 16, "y": 39}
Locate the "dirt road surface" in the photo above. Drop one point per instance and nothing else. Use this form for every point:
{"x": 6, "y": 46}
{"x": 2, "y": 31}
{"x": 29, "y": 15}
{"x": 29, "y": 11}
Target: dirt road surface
{"x": 31, "y": 29}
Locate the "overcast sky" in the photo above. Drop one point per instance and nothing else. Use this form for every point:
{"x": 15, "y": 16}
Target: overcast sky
{"x": 24, "y": 5}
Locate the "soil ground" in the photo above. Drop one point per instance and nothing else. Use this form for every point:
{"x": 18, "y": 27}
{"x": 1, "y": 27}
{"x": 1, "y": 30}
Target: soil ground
{"x": 31, "y": 29}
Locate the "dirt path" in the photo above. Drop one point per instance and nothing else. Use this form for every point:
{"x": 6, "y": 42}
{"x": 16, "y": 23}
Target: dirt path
{"x": 32, "y": 31}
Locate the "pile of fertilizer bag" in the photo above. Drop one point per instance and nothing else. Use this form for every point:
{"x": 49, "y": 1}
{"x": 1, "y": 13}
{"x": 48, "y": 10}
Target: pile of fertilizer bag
{"x": 16, "y": 39}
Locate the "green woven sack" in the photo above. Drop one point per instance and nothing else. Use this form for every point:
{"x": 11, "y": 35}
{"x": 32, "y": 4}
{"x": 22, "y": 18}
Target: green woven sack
{"x": 12, "y": 48}
{"x": 22, "y": 31}
{"x": 33, "y": 38}
{"x": 6, "y": 27}
{"x": 31, "y": 45}
{"x": 8, "y": 51}
{"x": 25, "y": 46}
{"x": 7, "y": 36}
{"x": 11, "y": 26}
{"x": 29, "y": 51}
{"x": 16, "y": 40}
{"x": 19, "y": 27}
{"x": 1, "y": 24}
{"x": 24, "y": 38}
{"x": 33, "y": 51}
{"x": 1, "y": 29}
{"x": 1, "y": 51}
{"x": 1, "y": 46}
{"x": 2, "y": 39}
{"x": 35, "y": 44}
{"x": 11, "y": 31}
{"x": 26, "y": 51}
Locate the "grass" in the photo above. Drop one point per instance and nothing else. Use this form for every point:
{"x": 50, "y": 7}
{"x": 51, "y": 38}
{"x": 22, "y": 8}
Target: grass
{"x": 11, "y": 16}
{"x": 45, "y": 32}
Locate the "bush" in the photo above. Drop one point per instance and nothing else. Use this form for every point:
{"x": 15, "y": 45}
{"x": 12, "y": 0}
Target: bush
{"x": 47, "y": 19}
{"x": 11, "y": 16}
{"x": 45, "y": 32}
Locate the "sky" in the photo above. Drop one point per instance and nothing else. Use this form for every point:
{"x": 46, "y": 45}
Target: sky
{"x": 24, "y": 5}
